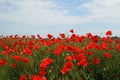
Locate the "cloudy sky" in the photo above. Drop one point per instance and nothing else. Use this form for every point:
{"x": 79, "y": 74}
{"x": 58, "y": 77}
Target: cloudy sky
{"x": 59, "y": 16}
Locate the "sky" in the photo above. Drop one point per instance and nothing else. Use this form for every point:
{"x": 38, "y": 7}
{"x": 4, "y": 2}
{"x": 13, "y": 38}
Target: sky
{"x": 59, "y": 16}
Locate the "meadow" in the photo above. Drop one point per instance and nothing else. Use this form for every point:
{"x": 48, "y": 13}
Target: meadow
{"x": 73, "y": 57}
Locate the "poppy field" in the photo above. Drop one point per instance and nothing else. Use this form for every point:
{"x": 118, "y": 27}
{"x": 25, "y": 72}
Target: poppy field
{"x": 66, "y": 57}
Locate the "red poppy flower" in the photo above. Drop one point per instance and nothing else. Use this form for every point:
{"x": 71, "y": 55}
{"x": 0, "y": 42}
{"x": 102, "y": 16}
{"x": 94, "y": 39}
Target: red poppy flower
{"x": 38, "y": 35}
{"x": 27, "y": 51}
{"x": 30, "y": 46}
{"x": 109, "y": 33}
{"x": 72, "y": 31}
{"x": 62, "y": 35}
{"x": 83, "y": 62}
{"x": 36, "y": 47}
{"x": 107, "y": 55}
{"x": 23, "y": 36}
{"x": 43, "y": 78}
{"x": 22, "y": 43}
{"x": 67, "y": 67}
{"x": 68, "y": 58}
{"x": 25, "y": 60}
{"x": 6, "y": 47}
{"x": 33, "y": 36}
{"x": 49, "y": 36}
{"x": 59, "y": 50}
{"x": 17, "y": 58}
{"x": 35, "y": 77}
{"x": 4, "y": 52}
{"x": 45, "y": 63}
{"x": 96, "y": 60}
{"x": 118, "y": 47}
{"x": 23, "y": 77}
{"x": 13, "y": 65}
{"x": 42, "y": 73}
{"x": 89, "y": 53}
{"x": 31, "y": 42}
{"x": 3, "y": 62}
{"x": 89, "y": 35}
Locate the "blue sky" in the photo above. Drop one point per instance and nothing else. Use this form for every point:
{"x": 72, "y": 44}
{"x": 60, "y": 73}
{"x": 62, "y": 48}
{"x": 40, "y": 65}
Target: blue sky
{"x": 59, "y": 16}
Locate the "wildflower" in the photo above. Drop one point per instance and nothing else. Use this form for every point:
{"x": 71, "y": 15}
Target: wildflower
{"x": 59, "y": 50}
{"x": 62, "y": 35}
{"x": 23, "y": 77}
{"x": 25, "y": 60}
{"x": 22, "y": 43}
{"x": 45, "y": 63}
{"x": 83, "y": 62}
{"x": 43, "y": 78}
{"x": 9, "y": 50}
{"x": 72, "y": 31}
{"x": 50, "y": 50}
{"x": 107, "y": 55}
{"x": 35, "y": 77}
{"x": 3, "y": 62}
{"x": 42, "y": 73}
{"x": 23, "y": 36}
{"x": 104, "y": 46}
{"x": 67, "y": 67}
{"x": 6, "y": 47}
{"x": 27, "y": 51}
{"x": 13, "y": 65}
{"x": 68, "y": 58}
{"x": 89, "y": 35}
{"x": 118, "y": 47}
{"x": 36, "y": 47}
{"x": 4, "y": 52}
{"x": 38, "y": 36}
{"x": 109, "y": 33}
{"x": 89, "y": 53}
{"x": 94, "y": 38}
{"x": 96, "y": 60}
{"x": 49, "y": 36}
{"x": 31, "y": 42}
{"x": 17, "y": 58}
{"x": 30, "y": 46}
{"x": 33, "y": 36}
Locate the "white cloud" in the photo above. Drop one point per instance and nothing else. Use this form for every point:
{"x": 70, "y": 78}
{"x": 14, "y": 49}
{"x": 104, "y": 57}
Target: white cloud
{"x": 43, "y": 12}
{"x": 47, "y": 12}
{"x": 103, "y": 10}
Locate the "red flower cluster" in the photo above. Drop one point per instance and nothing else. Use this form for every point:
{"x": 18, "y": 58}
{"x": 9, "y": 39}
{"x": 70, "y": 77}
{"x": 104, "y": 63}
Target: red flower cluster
{"x": 27, "y": 51}
{"x": 67, "y": 67}
{"x": 37, "y": 77}
{"x": 73, "y": 50}
{"x": 33, "y": 77}
{"x": 59, "y": 50}
{"x": 45, "y": 63}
